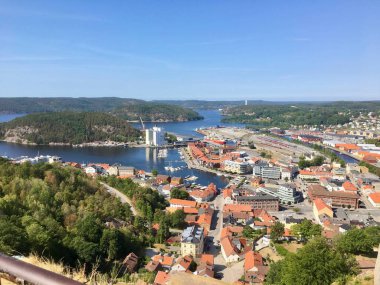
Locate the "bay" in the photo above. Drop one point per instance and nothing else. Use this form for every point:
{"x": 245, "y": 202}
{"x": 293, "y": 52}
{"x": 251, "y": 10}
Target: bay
{"x": 140, "y": 157}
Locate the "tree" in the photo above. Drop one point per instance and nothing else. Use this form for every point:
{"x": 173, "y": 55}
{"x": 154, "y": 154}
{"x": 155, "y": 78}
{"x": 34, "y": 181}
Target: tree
{"x": 306, "y": 229}
{"x": 154, "y": 172}
{"x": 359, "y": 241}
{"x": 317, "y": 263}
{"x": 177, "y": 193}
{"x": 277, "y": 231}
{"x": 177, "y": 219}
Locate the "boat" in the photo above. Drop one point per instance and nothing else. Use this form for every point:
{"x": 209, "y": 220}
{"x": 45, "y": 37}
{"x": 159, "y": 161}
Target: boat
{"x": 162, "y": 153}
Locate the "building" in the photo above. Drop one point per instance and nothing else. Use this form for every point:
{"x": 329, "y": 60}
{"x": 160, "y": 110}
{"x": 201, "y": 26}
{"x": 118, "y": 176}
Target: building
{"x": 239, "y": 167}
{"x": 374, "y": 199}
{"x": 162, "y": 278}
{"x": 259, "y": 201}
{"x": 192, "y": 241}
{"x": 336, "y": 198}
{"x": 254, "y": 268}
{"x": 320, "y": 208}
{"x": 155, "y": 136}
{"x": 287, "y": 193}
{"x": 179, "y": 203}
{"x": 130, "y": 262}
{"x": 268, "y": 172}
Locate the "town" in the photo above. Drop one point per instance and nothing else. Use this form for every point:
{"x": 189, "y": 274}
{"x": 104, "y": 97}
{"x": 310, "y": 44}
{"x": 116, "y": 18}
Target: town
{"x": 279, "y": 182}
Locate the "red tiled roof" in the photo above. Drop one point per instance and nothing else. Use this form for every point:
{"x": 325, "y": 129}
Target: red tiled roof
{"x": 320, "y": 204}
{"x": 375, "y": 197}
{"x": 252, "y": 259}
{"x": 208, "y": 259}
{"x": 161, "y": 278}
{"x": 185, "y": 203}
{"x": 237, "y": 208}
{"x": 348, "y": 186}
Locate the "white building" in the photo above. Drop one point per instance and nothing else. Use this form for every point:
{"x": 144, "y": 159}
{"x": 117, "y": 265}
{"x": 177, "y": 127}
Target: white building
{"x": 155, "y": 136}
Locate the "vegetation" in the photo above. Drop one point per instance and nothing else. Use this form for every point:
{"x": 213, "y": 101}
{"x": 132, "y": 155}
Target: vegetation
{"x": 156, "y": 113}
{"x": 277, "y": 231}
{"x": 306, "y": 230}
{"x": 61, "y": 214}
{"x": 250, "y": 233}
{"x": 150, "y": 205}
{"x": 359, "y": 241}
{"x": 130, "y": 109}
{"x": 371, "y": 168}
{"x": 376, "y": 142}
{"x": 318, "y": 262}
{"x": 179, "y": 194}
{"x": 298, "y": 114}
{"x": 68, "y": 128}
{"x": 316, "y": 161}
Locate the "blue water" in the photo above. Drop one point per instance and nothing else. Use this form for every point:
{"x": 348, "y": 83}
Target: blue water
{"x": 140, "y": 158}
{"x": 212, "y": 118}
{"x": 9, "y": 117}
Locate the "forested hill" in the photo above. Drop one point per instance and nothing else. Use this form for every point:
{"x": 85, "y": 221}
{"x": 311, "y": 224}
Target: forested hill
{"x": 67, "y": 128}
{"x": 296, "y": 114}
{"x": 60, "y": 213}
{"x": 154, "y": 112}
{"x": 130, "y": 109}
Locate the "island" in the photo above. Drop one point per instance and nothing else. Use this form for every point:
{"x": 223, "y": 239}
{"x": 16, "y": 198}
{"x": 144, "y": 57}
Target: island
{"x": 68, "y": 128}
{"x": 126, "y": 108}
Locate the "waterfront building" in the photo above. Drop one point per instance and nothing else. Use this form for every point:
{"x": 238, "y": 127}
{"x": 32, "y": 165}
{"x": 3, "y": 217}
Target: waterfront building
{"x": 155, "y": 136}
{"x": 192, "y": 241}
{"x": 239, "y": 167}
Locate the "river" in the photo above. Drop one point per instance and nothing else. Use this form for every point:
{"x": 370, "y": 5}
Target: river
{"x": 140, "y": 158}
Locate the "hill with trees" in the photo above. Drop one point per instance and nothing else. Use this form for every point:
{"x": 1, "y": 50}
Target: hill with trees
{"x": 298, "y": 114}
{"x": 67, "y": 128}
{"x": 59, "y": 213}
{"x": 130, "y": 109}
{"x": 153, "y": 112}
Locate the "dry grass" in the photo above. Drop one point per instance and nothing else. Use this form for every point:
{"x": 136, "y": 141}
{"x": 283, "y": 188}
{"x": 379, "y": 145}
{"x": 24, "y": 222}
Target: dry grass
{"x": 182, "y": 278}
{"x": 267, "y": 251}
{"x": 292, "y": 247}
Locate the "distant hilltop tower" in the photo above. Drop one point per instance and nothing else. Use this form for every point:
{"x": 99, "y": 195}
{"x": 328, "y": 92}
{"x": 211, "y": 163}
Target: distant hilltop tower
{"x": 246, "y": 102}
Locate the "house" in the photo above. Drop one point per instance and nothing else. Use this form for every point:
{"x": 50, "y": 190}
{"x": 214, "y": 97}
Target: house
{"x": 204, "y": 195}
{"x": 231, "y": 208}
{"x": 175, "y": 181}
{"x": 166, "y": 261}
{"x": 153, "y": 266}
{"x": 180, "y": 203}
{"x": 374, "y": 199}
{"x": 162, "y": 278}
{"x": 254, "y": 268}
{"x": 192, "y": 241}
{"x": 208, "y": 259}
{"x": 126, "y": 171}
{"x": 183, "y": 263}
{"x": 320, "y": 208}
{"x": 206, "y": 266}
{"x": 349, "y": 187}
{"x": 90, "y": 170}
{"x": 130, "y": 262}
{"x": 227, "y": 196}
{"x": 232, "y": 246}
{"x": 162, "y": 179}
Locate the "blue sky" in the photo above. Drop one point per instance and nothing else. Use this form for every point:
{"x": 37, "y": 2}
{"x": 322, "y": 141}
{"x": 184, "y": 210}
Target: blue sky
{"x": 227, "y": 50}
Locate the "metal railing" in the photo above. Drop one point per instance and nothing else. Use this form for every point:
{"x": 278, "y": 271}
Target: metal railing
{"x": 20, "y": 272}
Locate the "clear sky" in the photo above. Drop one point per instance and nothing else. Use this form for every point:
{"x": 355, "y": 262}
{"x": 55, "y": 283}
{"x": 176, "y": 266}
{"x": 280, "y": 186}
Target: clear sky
{"x": 201, "y": 49}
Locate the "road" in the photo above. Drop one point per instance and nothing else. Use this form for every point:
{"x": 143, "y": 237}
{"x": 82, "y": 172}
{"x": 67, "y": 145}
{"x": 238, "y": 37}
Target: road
{"x": 123, "y": 198}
